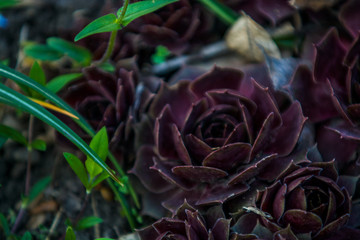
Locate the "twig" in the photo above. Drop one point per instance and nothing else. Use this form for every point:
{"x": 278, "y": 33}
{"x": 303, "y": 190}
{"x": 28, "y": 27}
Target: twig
{"x": 54, "y": 224}
{"x": 206, "y": 53}
{"x": 96, "y": 214}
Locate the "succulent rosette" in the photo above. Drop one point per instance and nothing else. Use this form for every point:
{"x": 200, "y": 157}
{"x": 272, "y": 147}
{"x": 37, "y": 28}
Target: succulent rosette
{"x": 306, "y": 202}
{"x": 175, "y": 26}
{"x": 189, "y": 223}
{"x": 105, "y": 99}
{"x": 212, "y": 135}
{"x": 263, "y": 11}
{"x": 331, "y": 89}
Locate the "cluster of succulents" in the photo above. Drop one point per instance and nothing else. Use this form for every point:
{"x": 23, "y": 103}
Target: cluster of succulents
{"x": 229, "y": 155}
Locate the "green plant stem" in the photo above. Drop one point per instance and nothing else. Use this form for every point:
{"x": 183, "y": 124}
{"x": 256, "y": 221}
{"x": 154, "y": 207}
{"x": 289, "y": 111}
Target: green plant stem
{"x": 82, "y": 210}
{"x": 19, "y": 217}
{"x": 109, "y": 49}
{"x": 122, "y": 14}
{"x": 121, "y": 198}
{"x": 28, "y": 169}
{"x": 23, "y": 207}
{"x": 226, "y": 14}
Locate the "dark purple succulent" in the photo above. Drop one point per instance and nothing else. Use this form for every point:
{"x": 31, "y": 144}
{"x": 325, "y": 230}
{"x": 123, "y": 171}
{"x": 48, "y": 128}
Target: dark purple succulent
{"x": 212, "y": 135}
{"x": 332, "y": 88}
{"x": 306, "y": 202}
{"x": 189, "y": 223}
{"x": 262, "y": 11}
{"x": 105, "y": 99}
{"x": 175, "y": 26}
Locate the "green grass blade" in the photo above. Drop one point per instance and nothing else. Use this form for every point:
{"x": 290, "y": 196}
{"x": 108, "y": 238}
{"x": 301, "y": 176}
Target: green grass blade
{"x": 4, "y": 225}
{"x": 30, "y": 83}
{"x": 15, "y": 99}
{"x": 224, "y": 13}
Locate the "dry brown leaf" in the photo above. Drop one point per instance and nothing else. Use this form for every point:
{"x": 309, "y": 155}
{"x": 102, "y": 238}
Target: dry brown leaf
{"x": 35, "y": 221}
{"x": 315, "y": 5}
{"x": 251, "y": 40}
{"x": 48, "y": 206}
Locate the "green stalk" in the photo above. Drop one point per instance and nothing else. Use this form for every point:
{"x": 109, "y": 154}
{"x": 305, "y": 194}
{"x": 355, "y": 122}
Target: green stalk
{"x": 120, "y": 197}
{"x": 226, "y": 14}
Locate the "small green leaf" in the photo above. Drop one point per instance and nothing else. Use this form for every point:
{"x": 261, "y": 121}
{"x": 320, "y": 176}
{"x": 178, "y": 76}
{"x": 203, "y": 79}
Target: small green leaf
{"x": 26, "y": 236}
{"x": 138, "y": 9}
{"x": 57, "y": 83}
{"x": 78, "y": 53}
{"x": 7, "y": 3}
{"x": 38, "y": 144}
{"x": 104, "y": 175}
{"x": 100, "y": 145}
{"x": 4, "y": 225}
{"x": 88, "y": 222}
{"x": 160, "y": 55}
{"x": 108, "y": 67}
{"x": 78, "y": 167}
{"x": 42, "y": 52}
{"x": 15, "y": 135}
{"x": 5, "y": 62}
{"x": 38, "y": 188}
{"x": 37, "y": 73}
{"x": 3, "y": 141}
{"x": 70, "y": 235}
{"x": 105, "y": 23}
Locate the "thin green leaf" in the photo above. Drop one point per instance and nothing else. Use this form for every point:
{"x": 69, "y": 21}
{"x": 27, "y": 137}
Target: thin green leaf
{"x": 38, "y": 144}
{"x": 78, "y": 53}
{"x": 100, "y": 178}
{"x": 15, "y": 135}
{"x": 42, "y": 52}
{"x": 70, "y": 235}
{"x": 59, "y": 82}
{"x": 224, "y": 13}
{"x": 3, "y": 141}
{"x": 108, "y": 67}
{"x": 8, "y": 3}
{"x": 26, "y": 236}
{"x": 4, "y": 225}
{"x": 38, "y": 188}
{"x": 138, "y": 9}
{"x": 100, "y": 144}
{"x": 37, "y": 73}
{"x": 88, "y": 222}
{"x": 105, "y": 23}
{"x": 78, "y": 167}
{"x": 15, "y": 99}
